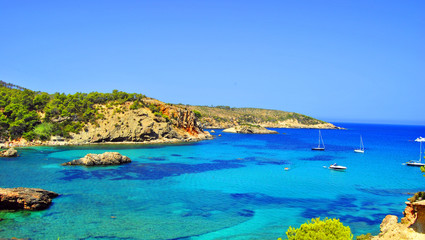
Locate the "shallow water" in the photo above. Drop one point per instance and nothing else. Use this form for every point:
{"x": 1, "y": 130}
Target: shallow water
{"x": 232, "y": 187}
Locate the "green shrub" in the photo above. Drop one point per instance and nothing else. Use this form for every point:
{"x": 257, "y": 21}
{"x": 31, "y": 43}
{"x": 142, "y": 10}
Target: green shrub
{"x": 154, "y": 108}
{"x": 44, "y": 131}
{"x": 135, "y": 105}
{"x": 364, "y": 237}
{"x": 417, "y": 197}
{"x": 197, "y": 114}
{"x": 316, "y": 229}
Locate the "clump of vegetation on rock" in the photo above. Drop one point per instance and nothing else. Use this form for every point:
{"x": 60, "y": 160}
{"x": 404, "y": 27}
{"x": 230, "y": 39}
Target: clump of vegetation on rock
{"x": 417, "y": 197}
{"x": 316, "y": 229}
{"x": 364, "y": 237}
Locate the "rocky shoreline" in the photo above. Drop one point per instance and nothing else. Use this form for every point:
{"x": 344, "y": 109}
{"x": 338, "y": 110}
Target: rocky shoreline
{"x": 23, "y": 143}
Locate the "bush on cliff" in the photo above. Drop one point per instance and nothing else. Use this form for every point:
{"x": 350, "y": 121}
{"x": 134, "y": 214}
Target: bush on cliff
{"x": 417, "y": 197}
{"x": 316, "y": 229}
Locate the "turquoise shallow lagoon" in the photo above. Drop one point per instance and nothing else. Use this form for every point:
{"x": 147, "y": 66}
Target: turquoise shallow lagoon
{"x": 232, "y": 187}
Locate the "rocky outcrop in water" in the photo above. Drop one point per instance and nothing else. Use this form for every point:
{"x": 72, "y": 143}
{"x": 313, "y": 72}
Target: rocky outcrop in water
{"x": 411, "y": 227}
{"x": 249, "y": 129}
{"x": 107, "y": 158}
{"x": 25, "y": 198}
{"x": 11, "y": 152}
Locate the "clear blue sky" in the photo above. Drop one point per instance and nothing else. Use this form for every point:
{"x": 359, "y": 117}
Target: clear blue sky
{"x": 353, "y": 61}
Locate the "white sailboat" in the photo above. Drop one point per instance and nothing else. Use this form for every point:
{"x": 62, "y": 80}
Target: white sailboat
{"x": 361, "y": 149}
{"x": 319, "y": 147}
{"x": 418, "y": 163}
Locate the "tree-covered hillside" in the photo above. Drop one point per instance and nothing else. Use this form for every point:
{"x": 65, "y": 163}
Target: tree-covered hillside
{"x": 39, "y": 115}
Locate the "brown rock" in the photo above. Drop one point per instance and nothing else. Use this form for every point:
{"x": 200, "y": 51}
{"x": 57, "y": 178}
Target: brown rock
{"x": 11, "y": 152}
{"x": 419, "y": 224}
{"x": 25, "y": 198}
{"x": 107, "y": 158}
{"x": 409, "y": 214}
{"x": 412, "y": 225}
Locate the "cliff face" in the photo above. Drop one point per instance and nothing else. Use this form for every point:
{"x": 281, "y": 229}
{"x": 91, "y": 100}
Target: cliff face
{"x": 120, "y": 123}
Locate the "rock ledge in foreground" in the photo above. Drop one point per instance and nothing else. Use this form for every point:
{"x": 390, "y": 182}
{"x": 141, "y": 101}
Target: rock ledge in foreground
{"x": 107, "y": 158}
{"x": 25, "y": 198}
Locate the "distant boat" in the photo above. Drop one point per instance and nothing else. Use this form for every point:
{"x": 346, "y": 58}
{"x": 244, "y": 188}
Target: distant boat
{"x": 361, "y": 149}
{"x": 337, "y": 167}
{"x": 319, "y": 147}
{"x": 418, "y": 163}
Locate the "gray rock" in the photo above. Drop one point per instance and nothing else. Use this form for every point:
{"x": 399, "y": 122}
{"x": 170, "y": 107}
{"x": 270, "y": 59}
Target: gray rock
{"x": 107, "y": 158}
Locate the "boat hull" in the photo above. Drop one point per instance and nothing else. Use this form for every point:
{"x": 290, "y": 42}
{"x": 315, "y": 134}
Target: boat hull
{"x": 338, "y": 167}
{"x": 318, "y": 149}
{"x": 415, "y": 164}
{"x": 359, "y": 151}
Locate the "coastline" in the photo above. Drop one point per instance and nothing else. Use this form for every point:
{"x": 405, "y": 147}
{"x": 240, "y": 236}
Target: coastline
{"x": 25, "y": 144}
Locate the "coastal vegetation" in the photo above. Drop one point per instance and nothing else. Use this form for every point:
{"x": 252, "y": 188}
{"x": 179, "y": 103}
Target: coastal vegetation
{"x": 226, "y": 117}
{"x": 39, "y": 115}
{"x": 316, "y": 229}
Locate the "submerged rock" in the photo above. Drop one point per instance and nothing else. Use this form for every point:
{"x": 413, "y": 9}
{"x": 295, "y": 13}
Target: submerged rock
{"x": 249, "y": 129}
{"x": 107, "y": 158}
{"x": 25, "y": 198}
{"x": 11, "y": 152}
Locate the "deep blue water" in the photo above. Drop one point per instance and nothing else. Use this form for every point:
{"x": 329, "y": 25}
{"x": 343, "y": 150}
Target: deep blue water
{"x": 232, "y": 187}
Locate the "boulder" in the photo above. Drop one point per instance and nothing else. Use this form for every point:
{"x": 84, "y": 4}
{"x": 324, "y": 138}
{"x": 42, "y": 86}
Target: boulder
{"x": 25, "y": 198}
{"x": 107, "y": 158}
{"x": 249, "y": 129}
{"x": 11, "y": 152}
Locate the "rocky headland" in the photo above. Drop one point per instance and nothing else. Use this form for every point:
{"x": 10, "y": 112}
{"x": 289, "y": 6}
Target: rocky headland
{"x": 107, "y": 158}
{"x": 11, "y": 152}
{"x": 25, "y": 198}
{"x": 166, "y": 123}
{"x": 249, "y": 129}
{"x": 222, "y": 117}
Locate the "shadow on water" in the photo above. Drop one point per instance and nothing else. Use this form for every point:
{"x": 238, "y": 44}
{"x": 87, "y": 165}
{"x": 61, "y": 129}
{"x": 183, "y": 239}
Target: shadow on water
{"x": 321, "y": 158}
{"x": 144, "y": 171}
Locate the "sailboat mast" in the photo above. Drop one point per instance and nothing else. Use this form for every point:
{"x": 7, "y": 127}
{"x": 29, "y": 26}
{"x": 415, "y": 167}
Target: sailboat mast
{"x": 320, "y": 136}
{"x": 420, "y": 151}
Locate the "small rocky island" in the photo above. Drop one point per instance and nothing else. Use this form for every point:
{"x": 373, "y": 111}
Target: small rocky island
{"x": 107, "y": 158}
{"x": 11, "y": 152}
{"x": 25, "y": 198}
{"x": 249, "y": 129}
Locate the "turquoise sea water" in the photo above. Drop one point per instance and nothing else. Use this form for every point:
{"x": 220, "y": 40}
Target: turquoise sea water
{"x": 232, "y": 187}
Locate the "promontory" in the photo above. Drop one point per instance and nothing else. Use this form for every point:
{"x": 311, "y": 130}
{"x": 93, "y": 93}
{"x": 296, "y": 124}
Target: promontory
{"x": 35, "y": 118}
